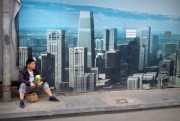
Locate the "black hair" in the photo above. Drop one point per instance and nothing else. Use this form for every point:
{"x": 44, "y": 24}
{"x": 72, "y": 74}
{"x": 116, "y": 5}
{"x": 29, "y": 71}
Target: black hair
{"x": 29, "y": 61}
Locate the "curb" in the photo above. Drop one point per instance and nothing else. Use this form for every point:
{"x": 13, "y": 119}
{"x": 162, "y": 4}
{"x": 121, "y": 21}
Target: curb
{"x": 86, "y": 111}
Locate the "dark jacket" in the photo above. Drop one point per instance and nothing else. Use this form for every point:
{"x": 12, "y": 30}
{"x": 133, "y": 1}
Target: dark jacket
{"x": 24, "y": 75}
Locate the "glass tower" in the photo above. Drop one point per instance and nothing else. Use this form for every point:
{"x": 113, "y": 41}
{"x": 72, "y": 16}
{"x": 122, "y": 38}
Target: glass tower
{"x": 86, "y": 36}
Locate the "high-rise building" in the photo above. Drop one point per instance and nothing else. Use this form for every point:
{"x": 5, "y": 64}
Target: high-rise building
{"x": 106, "y": 40}
{"x": 169, "y": 50}
{"x": 56, "y": 47}
{"x": 124, "y": 52}
{"x": 24, "y": 54}
{"x": 77, "y": 64}
{"x": 110, "y": 39}
{"x": 112, "y": 65}
{"x": 100, "y": 63}
{"x": 154, "y": 48}
{"x": 124, "y": 66}
{"x": 112, "y": 59}
{"x": 149, "y": 43}
{"x": 133, "y": 55}
{"x": 142, "y": 56}
{"x": 86, "y": 36}
{"x": 99, "y": 44}
{"x": 113, "y": 39}
{"x": 48, "y": 67}
{"x": 43, "y": 61}
{"x": 146, "y": 45}
{"x": 144, "y": 49}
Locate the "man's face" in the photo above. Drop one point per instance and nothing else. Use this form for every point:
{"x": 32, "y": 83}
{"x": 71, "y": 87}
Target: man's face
{"x": 32, "y": 65}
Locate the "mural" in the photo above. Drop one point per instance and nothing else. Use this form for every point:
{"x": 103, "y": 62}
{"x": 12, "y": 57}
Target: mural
{"x": 89, "y": 45}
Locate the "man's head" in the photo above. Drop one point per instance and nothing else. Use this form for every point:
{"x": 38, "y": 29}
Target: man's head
{"x": 30, "y": 64}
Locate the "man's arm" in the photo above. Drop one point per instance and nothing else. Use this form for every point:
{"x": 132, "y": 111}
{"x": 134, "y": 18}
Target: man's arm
{"x": 21, "y": 78}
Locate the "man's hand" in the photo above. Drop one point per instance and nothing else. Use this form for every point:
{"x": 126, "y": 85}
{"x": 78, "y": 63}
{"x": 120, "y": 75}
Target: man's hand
{"x": 39, "y": 84}
{"x": 32, "y": 85}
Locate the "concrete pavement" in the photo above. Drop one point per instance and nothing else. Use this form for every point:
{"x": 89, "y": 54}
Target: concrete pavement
{"x": 170, "y": 114}
{"x": 92, "y": 103}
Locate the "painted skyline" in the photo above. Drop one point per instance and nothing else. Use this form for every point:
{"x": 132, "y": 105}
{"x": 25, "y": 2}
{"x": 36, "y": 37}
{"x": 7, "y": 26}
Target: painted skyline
{"x": 162, "y": 15}
{"x": 124, "y": 57}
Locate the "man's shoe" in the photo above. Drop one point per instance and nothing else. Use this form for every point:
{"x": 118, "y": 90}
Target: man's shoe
{"x": 54, "y": 99}
{"x": 22, "y": 104}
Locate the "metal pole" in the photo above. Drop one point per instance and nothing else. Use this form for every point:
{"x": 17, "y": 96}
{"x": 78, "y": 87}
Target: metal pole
{"x": 6, "y": 51}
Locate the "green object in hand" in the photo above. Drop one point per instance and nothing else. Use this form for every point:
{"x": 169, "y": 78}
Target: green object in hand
{"x": 37, "y": 79}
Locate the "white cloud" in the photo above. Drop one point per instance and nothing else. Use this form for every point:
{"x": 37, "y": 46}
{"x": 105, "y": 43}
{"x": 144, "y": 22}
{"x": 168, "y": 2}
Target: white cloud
{"x": 165, "y": 7}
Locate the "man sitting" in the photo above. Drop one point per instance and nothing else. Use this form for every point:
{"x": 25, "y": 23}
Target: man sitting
{"x": 26, "y": 78}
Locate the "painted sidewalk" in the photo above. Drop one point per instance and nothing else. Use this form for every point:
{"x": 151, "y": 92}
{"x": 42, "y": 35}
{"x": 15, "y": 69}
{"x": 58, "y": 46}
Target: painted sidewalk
{"x": 93, "y": 103}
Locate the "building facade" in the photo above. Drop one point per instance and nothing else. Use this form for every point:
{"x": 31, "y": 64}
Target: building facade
{"x": 24, "y": 54}
{"x": 133, "y": 56}
{"x": 86, "y": 36}
{"x": 56, "y": 47}
{"x": 110, "y": 39}
{"x": 77, "y": 63}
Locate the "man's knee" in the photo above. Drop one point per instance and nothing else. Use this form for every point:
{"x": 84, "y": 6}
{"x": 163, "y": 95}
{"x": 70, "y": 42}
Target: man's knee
{"x": 22, "y": 88}
{"x": 45, "y": 86}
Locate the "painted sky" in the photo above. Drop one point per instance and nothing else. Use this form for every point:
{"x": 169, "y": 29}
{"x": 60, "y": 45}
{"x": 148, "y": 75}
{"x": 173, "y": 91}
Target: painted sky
{"x": 161, "y": 15}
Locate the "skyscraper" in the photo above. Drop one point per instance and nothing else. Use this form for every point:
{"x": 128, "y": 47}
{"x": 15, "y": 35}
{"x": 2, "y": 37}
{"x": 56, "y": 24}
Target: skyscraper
{"x": 100, "y": 63}
{"x": 99, "y": 44}
{"x": 86, "y": 36}
{"x": 106, "y": 40}
{"x": 113, "y": 39}
{"x": 48, "y": 68}
{"x": 149, "y": 43}
{"x": 142, "y": 56}
{"x": 145, "y": 42}
{"x": 144, "y": 49}
{"x": 112, "y": 65}
{"x": 24, "y": 54}
{"x": 154, "y": 48}
{"x": 124, "y": 51}
{"x": 56, "y": 47}
{"x": 133, "y": 55}
{"x": 77, "y": 64}
{"x": 110, "y": 39}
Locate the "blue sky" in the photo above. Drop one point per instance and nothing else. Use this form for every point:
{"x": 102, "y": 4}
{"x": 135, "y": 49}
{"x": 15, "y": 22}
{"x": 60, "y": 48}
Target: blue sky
{"x": 161, "y": 15}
